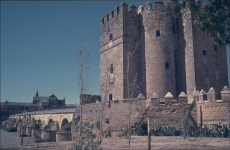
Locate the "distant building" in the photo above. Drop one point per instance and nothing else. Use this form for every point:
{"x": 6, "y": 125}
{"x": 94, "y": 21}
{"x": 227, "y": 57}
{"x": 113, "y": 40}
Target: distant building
{"x": 51, "y": 102}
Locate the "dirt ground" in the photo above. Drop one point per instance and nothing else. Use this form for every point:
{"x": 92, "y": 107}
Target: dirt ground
{"x": 137, "y": 142}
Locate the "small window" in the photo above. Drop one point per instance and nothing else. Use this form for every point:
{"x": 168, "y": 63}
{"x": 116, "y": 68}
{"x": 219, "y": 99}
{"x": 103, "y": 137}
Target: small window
{"x": 103, "y": 21}
{"x": 204, "y": 52}
{"x": 111, "y": 68}
{"x": 135, "y": 40}
{"x": 158, "y": 33}
{"x": 112, "y": 14}
{"x": 108, "y": 29}
{"x": 107, "y": 17}
{"x": 110, "y": 37}
{"x": 215, "y": 48}
{"x": 110, "y": 96}
{"x": 118, "y": 10}
{"x": 166, "y": 65}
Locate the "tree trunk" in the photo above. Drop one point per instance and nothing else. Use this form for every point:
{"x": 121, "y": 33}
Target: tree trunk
{"x": 22, "y": 137}
{"x": 149, "y": 135}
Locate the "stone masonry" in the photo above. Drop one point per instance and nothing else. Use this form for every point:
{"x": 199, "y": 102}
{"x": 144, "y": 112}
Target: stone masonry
{"x": 164, "y": 59}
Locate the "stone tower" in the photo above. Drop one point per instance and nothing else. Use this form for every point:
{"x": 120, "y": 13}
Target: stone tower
{"x": 172, "y": 56}
{"x": 118, "y": 35}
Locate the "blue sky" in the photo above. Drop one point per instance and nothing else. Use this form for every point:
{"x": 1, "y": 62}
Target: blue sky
{"x": 38, "y": 44}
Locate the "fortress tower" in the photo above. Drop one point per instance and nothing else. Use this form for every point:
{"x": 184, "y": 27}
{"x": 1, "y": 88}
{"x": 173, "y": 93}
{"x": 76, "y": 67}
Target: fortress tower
{"x": 172, "y": 56}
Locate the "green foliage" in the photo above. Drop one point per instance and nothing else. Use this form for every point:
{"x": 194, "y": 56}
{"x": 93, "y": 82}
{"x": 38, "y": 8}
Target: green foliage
{"x": 98, "y": 125}
{"x": 67, "y": 127}
{"x": 46, "y": 127}
{"x": 142, "y": 129}
{"x": 88, "y": 140}
{"x": 36, "y": 126}
{"x": 24, "y": 135}
{"x": 166, "y": 131}
{"x": 124, "y": 133}
{"x": 13, "y": 120}
{"x": 39, "y": 141}
{"x": 8, "y": 129}
{"x": 213, "y": 18}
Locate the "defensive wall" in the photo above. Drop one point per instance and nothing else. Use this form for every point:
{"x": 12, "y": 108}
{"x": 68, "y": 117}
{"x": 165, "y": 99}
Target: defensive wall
{"x": 166, "y": 112}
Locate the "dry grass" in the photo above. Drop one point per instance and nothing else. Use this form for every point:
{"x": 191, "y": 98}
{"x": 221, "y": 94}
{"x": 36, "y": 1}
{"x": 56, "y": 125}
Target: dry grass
{"x": 138, "y": 142}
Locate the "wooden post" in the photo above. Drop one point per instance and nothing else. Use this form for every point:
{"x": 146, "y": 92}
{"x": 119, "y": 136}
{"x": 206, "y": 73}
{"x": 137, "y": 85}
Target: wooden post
{"x": 22, "y": 136}
{"x": 149, "y": 135}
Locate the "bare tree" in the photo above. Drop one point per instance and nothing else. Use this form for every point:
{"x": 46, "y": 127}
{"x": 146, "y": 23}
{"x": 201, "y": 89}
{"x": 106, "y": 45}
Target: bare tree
{"x": 82, "y": 55}
{"x": 131, "y": 88}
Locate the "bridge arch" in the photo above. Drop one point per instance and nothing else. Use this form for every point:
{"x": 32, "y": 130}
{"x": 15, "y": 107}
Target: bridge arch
{"x": 50, "y": 119}
{"x": 64, "y": 122}
{"x": 67, "y": 118}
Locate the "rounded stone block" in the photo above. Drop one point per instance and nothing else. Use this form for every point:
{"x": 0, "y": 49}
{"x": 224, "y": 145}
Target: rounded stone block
{"x": 48, "y": 136}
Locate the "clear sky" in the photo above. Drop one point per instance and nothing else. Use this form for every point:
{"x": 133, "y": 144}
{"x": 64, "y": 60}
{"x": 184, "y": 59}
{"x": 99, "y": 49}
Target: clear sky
{"x": 38, "y": 44}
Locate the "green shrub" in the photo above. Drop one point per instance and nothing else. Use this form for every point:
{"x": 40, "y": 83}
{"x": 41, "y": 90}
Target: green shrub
{"x": 88, "y": 140}
{"x": 46, "y": 127}
{"x": 67, "y": 127}
{"x": 23, "y": 135}
{"x": 8, "y": 129}
{"x": 98, "y": 125}
{"x": 124, "y": 133}
{"x": 13, "y": 120}
{"x": 39, "y": 141}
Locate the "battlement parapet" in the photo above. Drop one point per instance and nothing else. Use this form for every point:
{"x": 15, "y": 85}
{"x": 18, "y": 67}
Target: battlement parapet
{"x": 200, "y": 97}
{"x": 225, "y": 94}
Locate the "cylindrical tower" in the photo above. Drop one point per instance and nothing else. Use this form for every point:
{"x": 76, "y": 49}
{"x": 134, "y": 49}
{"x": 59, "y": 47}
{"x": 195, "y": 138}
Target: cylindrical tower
{"x": 159, "y": 48}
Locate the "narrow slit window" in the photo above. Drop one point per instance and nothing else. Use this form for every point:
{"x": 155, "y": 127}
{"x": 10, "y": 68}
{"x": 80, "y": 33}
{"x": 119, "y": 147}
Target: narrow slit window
{"x": 204, "y": 52}
{"x": 107, "y": 17}
{"x": 158, "y": 33}
{"x": 166, "y": 65}
{"x": 103, "y": 21}
{"x": 110, "y": 37}
{"x": 215, "y": 48}
{"x": 118, "y": 10}
{"x": 112, "y": 14}
{"x": 111, "y": 68}
{"x": 110, "y": 96}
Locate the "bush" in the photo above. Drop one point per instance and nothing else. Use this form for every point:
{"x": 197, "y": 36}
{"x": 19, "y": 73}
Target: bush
{"x": 98, "y": 125}
{"x": 36, "y": 126}
{"x": 23, "y": 135}
{"x": 8, "y": 129}
{"x": 39, "y": 141}
{"x": 46, "y": 127}
{"x": 124, "y": 133}
{"x": 88, "y": 140}
{"x": 67, "y": 127}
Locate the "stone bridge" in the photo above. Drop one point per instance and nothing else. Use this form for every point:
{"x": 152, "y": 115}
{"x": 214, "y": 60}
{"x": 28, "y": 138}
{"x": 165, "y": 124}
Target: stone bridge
{"x": 61, "y": 116}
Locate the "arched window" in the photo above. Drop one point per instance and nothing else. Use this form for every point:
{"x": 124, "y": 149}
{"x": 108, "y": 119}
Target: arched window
{"x": 110, "y": 37}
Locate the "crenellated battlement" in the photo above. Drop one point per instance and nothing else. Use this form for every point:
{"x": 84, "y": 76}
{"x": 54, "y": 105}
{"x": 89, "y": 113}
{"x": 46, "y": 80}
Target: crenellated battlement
{"x": 200, "y": 97}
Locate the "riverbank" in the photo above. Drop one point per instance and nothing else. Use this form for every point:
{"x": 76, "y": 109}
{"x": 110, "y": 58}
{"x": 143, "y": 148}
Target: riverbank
{"x": 137, "y": 142}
